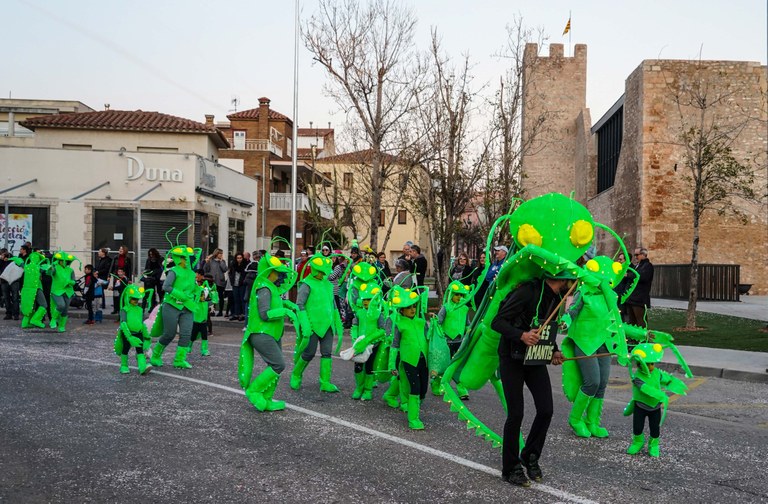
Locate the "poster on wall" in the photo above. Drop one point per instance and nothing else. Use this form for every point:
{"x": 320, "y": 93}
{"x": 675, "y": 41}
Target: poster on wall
{"x": 19, "y": 229}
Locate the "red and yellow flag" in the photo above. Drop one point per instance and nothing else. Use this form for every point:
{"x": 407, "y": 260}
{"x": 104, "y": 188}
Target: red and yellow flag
{"x": 567, "y": 26}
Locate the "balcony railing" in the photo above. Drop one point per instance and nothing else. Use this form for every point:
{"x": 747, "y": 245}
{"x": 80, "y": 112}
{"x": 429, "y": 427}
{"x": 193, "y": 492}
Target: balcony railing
{"x": 282, "y": 201}
{"x": 258, "y": 145}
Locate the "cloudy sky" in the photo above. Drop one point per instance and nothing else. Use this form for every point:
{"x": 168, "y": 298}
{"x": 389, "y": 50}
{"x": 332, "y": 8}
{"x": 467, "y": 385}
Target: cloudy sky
{"x": 192, "y": 57}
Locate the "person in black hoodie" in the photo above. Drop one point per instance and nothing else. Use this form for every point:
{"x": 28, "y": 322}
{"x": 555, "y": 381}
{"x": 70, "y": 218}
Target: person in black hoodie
{"x": 153, "y": 270}
{"x": 102, "y": 271}
{"x": 518, "y": 321}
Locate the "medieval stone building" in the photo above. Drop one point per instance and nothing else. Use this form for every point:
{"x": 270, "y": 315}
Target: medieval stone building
{"x": 629, "y": 167}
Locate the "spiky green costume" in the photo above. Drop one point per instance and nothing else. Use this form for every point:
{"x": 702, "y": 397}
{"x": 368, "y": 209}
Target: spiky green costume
{"x": 207, "y": 295}
{"x": 648, "y": 396}
{"x": 452, "y": 321}
{"x": 132, "y": 332}
{"x": 264, "y": 332}
{"x": 32, "y": 291}
{"x": 319, "y": 321}
{"x": 62, "y": 288}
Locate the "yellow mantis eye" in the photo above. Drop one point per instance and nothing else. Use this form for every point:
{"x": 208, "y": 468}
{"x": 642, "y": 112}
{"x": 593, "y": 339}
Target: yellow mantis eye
{"x": 317, "y": 261}
{"x": 357, "y": 268}
{"x": 466, "y": 287}
{"x": 581, "y": 233}
{"x": 375, "y": 290}
{"x": 363, "y": 287}
{"x": 527, "y": 235}
{"x": 190, "y": 251}
{"x": 396, "y": 300}
{"x": 177, "y": 251}
{"x": 617, "y": 267}
{"x": 639, "y": 353}
{"x": 455, "y": 287}
{"x": 141, "y": 290}
{"x": 414, "y": 295}
{"x": 371, "y": 270}
{"x": 593, "y": 266}
{"x": 131, "y": 292}
{"x": 657, "y": 347}
{"x": 274, "y": 261}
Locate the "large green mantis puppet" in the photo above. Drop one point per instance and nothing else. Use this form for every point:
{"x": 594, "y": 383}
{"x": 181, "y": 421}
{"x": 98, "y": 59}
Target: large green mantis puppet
{"x": 264, "y": 331}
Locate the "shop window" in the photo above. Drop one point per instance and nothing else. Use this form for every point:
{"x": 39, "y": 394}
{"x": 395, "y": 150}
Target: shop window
{"x": 236, "y": 236}
{"x": 402, "y": 217}
{"x": 27, "y": 224}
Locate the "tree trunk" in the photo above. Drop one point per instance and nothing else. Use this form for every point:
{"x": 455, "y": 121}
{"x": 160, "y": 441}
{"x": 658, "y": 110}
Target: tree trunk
{"x": 690, "y": 322}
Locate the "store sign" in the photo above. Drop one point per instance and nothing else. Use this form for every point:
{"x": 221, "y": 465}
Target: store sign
{"x": 19, "y": 228}
{"x": 137, "y": 170}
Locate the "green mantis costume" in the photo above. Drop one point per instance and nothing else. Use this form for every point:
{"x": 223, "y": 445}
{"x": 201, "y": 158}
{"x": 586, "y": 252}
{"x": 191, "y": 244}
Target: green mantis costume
{"x": 648, "y": 396}
{"x": 264, "y": 332}
{"x": 410, "y": 344}
{"x": 179, "y": 304}
{"x": 452, "y": 321}
{"x": 319, "y": 321}
{"x": 207, "y": 295}
{"x": 132, "y": 332}
{"x": 369, "y": 329}
{"x": 32, "y": 291}
{"x": 62, "y": 288}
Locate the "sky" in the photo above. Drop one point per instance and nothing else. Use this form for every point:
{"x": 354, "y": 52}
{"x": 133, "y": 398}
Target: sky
{"x": 192, "y": 57}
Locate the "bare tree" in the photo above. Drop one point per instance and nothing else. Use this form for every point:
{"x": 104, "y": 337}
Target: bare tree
{"x": 507, "y": 145}
{"x": 367, "y": 50}
{"x": 446, "y": 170}
{"x": 711, "y": 122}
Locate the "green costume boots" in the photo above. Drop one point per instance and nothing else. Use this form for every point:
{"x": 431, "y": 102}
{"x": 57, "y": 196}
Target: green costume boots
{"x": 575, "y": 419}
{"x": 63, "y": 323}
{"x": 157, "y": 355}
{"x": 273, "y": 405}
{"x": 204, "y": 348}
{"x": 414, "y": 405}
{"x": 437, "y": 386}
{"x": 37, "y": 318}
{"x": 392, "y": 393}
{"x": 124, "y": 369}
{"x": 258, "y": 387}
{"x": 367, "y": 388}
{"x": 359, "y": 385}
{"x": 180, "y": 361}
{"x": 298, "y": 373}
{"x": 462, "y": 391}
{"x": 637, "y": 444}
{"x": 653, "y": 447}
{"x": 141, "y": 360}
{"x": 54, "y": 318}
{"x": 326, "y": 367}
{"x": 594, "y": 415}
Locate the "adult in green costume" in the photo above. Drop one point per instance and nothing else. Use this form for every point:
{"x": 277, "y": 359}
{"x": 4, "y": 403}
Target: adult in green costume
{"x": 410, "y": 343}
{"x": 62, "y": 288}
{"x": 453, "y": 319}
{"x": 318, "y": 320}
{"x": 132, "y": 332}
{"x": 179, "y": 305}
{"x": 264, "y": 332}
{"x": 32, "y": 288}
{"x": 648, "y": 397}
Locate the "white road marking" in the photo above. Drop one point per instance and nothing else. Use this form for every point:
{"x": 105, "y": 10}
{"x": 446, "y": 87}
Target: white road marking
{"x": 560, "y": 494}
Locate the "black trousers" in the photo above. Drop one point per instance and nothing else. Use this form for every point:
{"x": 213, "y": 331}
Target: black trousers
{"x": 417, "y": 376}
{"x": 513, "y": 375}
{"x": 638, "y": 421}
{"x": 199, "y": 329}
{"x": 367, "y": 366}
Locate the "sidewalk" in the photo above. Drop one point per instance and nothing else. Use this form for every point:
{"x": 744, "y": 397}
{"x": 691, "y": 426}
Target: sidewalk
{"x": 751, "y": 307}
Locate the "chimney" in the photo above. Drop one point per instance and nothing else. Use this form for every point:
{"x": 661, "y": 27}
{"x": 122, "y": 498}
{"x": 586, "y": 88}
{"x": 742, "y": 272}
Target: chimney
{"x": 263, "y": 117}
{"x": 209, "y": 119}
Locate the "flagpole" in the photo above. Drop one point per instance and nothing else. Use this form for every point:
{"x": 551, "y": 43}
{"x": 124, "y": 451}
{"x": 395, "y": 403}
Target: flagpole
{"x": 569, "y": 34}
{"x": 294, "y": 142}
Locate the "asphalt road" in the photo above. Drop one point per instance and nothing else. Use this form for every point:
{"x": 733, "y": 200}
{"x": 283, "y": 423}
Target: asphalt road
{"x": 73, "y": 429}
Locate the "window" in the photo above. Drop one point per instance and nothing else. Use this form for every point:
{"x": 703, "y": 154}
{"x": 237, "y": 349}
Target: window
{"x": 402, "y": 217}
{"x": 236, "y": 236}
{"x": 382, "y": 217}
{"x": 609, "y": 138}
{"x": 238, "y": 140}
{"x": 157, "y": 149}
{"x": 76, "y": 147}
{"x": 347, "y": 181}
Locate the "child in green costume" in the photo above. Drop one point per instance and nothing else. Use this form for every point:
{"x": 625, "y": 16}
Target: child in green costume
{"x": 648, "y": 397}
{"x": 132, "y": 332}
{"x": 369, "y": 327}
{"x": 207, "y": 295}
{"x": 62, "y": 288}
{"x": 453, "y": 319}
{"x": 264, "y": 332}
{"x": 318, "y": 320}
{"x": 410, "y": 343}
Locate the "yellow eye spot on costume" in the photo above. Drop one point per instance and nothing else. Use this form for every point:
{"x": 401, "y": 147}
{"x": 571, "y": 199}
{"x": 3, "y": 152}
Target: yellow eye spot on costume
{"x": 581, "y": 233}
{"x": 527, "y": 235}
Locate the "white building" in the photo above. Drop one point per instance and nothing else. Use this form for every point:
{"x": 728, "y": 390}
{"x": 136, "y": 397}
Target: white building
{"x": 111, "y": 178}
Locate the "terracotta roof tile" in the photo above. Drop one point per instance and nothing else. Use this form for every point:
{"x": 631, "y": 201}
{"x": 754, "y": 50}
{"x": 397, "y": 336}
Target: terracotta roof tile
{"x": 321, "y": 132}
{"x": 122, "y": 120}
{"x": 254, "y": 114}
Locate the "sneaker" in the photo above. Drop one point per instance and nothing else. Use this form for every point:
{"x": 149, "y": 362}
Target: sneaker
{"x": 533, "y": 469}
{"x": 516, "y": 477}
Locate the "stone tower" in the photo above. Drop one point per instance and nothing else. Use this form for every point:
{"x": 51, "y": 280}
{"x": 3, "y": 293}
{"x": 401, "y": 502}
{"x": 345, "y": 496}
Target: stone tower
{"x": 555, "y": 121}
